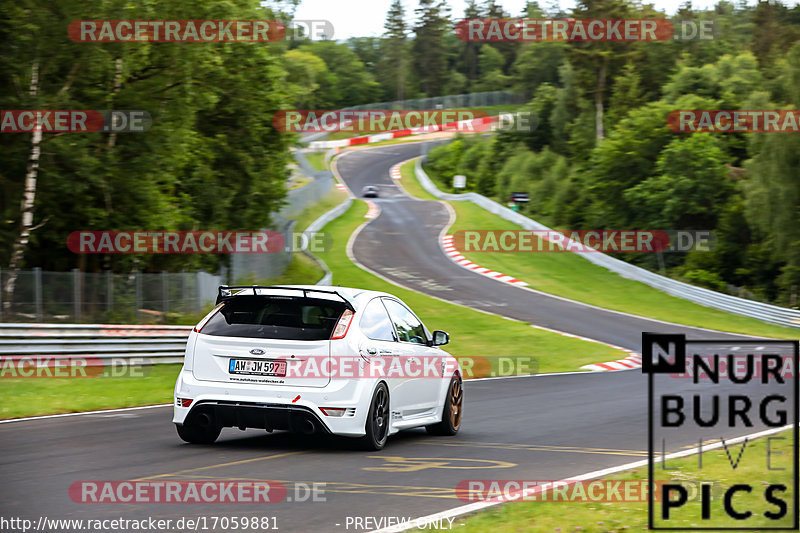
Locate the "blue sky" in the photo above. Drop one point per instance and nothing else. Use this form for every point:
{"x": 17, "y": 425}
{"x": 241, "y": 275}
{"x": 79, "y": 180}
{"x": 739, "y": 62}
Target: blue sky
{"x": 365, "y": 18}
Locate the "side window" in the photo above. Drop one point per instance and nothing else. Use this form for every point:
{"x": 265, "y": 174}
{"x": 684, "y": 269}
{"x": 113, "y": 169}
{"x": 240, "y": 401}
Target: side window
{"x": 409, "y": 328}
{"x": 375, "y": 322}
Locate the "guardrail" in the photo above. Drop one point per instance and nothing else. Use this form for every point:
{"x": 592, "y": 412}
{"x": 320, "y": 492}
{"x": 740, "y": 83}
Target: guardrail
{"x": 147, "y": 344}
{"x": 706, "y": 297}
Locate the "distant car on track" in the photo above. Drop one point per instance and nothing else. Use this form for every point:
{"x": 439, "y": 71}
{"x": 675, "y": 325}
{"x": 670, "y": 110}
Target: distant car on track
{"x": 370, "y": 191}
{"x": 256, "y": 361}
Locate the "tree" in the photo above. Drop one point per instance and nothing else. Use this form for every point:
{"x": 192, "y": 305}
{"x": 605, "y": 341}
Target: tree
{"x": 210, "y": 160}
{"x": 395, "y": 51}
{"x": 428, "y": 52}
{"x": 306, "y": 72}
{"x": 597, "y": 62}
{"x": 537, "y": 63}
{"x": 470, "y": 49}
{"x": 348, "y": 83}
{"x": 491, "y": 63}
{"x": 690, "y": 188}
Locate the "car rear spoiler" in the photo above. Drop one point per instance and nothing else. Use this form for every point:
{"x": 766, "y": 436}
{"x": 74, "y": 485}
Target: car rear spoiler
{"x": 225, "y": 292}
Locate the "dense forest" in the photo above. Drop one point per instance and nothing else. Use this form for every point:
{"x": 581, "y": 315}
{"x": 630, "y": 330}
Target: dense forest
{"x": 601, "y": 155}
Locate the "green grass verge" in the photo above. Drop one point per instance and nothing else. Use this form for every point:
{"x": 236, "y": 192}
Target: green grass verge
{"x": 552, "y": 352}
{"x": 557, "y": 273}
{"x": 411, "y": 184}
{"x": 632, "y": 516}
{"x": 317, "y": 160}
{"x": 38, "y": 396}
{"x": 304, "y": 219}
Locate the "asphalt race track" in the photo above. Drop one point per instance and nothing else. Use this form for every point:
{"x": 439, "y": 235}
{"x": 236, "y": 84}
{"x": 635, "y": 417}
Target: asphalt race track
{"x": 402, "y": 245}
{"x": 540, "y": 427}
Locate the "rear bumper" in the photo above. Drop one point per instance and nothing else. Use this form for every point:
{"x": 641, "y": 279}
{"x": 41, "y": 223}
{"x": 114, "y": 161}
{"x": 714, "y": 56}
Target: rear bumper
{"x": 275, "y": 407}
{"x": 260, "y": 415}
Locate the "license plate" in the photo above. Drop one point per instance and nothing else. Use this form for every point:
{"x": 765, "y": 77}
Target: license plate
{"x": 257, "y": 367}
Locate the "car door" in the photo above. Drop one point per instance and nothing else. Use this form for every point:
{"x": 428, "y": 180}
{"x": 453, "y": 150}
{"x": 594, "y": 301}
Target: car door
{"x": 419, "y": 392}
{"x": 378, "y": 344}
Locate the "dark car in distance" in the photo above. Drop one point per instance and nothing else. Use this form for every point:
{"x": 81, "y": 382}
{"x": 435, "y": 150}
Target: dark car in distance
{"x": 370, "y": 191}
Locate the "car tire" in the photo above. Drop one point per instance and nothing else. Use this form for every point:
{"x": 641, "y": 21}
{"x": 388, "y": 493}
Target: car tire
{"x": 377, "y": 424}
{"x": 452, "y": 411}
{"x": 199, "y": 433}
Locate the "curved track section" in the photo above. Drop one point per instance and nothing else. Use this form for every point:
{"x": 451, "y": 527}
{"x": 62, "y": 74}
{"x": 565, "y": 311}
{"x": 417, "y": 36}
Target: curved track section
{"x": 402, "y": 244}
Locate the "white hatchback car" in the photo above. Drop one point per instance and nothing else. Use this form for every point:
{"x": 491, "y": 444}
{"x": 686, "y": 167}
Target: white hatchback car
{"x": 309, "y": 359}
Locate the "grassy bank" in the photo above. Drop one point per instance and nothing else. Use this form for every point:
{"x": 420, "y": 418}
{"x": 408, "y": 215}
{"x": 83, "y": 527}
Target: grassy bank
{"x": 317, "y": 160}
{"x": 38, "y": 396}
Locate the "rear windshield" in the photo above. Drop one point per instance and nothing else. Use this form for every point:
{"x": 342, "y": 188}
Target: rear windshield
{"x": 276, "y": 317}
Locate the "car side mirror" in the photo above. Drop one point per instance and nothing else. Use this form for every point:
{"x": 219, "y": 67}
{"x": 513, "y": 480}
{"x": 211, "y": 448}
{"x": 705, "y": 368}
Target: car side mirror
{"x": 440, "y": 338}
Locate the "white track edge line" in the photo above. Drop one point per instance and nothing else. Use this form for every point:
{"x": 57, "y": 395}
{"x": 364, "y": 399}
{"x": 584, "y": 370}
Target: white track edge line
{"x": 101, "y": 411}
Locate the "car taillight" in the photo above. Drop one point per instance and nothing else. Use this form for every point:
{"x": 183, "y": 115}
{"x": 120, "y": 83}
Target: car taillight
{"x": 208, "y": 317}
{"x": 333, "y": 411}
{"x": 343, "y": 325}
{"x": 184, "y": 402}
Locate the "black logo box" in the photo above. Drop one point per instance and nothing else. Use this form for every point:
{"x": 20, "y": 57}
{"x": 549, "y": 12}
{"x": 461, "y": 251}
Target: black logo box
{"x": 675, "y": 345}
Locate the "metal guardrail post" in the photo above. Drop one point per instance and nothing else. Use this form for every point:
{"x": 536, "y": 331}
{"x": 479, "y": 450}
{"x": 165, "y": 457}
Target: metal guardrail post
{"x": 164, "y": 293}
{"x": 198, "y": 277}
{"x": 76, "y": 295}
{"x": 109, "y": 290}
{"x": 137, "y": 281}
{"x": 37, "y": 292}
{"x": 184, "y": 293}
